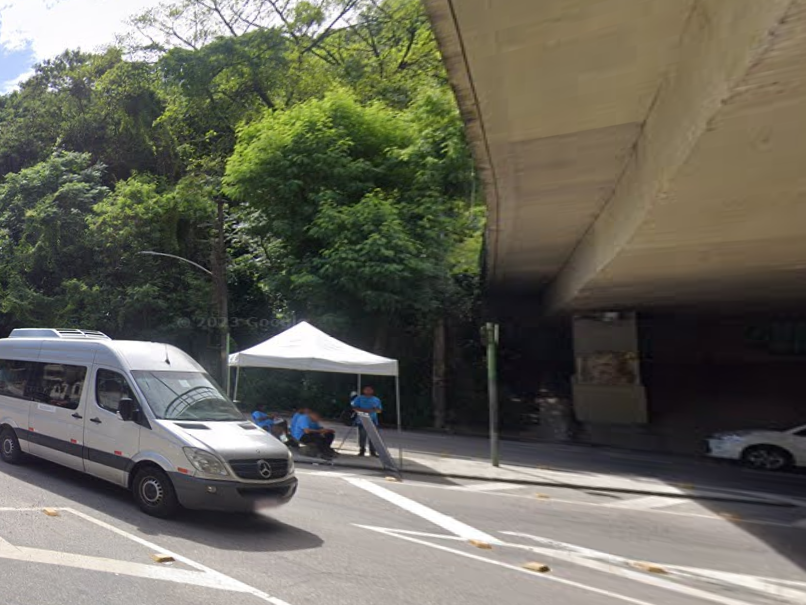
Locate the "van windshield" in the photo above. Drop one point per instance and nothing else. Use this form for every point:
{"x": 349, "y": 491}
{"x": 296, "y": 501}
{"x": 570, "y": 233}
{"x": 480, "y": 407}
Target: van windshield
{"x": 185, "y": 396}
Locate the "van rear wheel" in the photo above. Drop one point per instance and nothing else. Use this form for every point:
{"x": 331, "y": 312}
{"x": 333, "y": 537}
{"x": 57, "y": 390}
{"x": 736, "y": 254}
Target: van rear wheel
{"x": 154, "y": 492}
{"x": 10, "y": 446}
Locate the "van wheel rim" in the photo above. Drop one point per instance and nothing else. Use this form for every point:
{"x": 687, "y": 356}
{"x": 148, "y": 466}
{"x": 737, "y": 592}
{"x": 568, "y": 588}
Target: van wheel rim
{"x": 151, "y": 491}
{"x": 8, "y": 447}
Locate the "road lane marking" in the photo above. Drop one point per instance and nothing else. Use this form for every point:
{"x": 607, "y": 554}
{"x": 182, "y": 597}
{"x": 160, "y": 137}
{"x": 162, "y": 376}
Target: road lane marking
{"x": 585, "y": 556}
{"x": 429, "y": 514}
{"x": 487, "y": 487}
{"x": 600, "y": 506}
{"x": 769, "y": 586}
{"x": 531, "y": 574}
{"x": 203, "y": 576}
{"x": 646, "y": 503}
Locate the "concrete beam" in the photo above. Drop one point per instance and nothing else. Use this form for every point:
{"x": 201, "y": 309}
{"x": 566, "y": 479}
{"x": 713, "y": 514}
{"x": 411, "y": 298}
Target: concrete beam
{"x": 724, "y": 47}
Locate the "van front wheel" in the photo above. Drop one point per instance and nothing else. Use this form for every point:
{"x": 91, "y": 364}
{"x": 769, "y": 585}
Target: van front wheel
{"x": 154, "y": 492}
{"x": 10, "y": 446}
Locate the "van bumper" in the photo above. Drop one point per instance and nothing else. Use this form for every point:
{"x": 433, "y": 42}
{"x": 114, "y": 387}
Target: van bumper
{"x": 203, "y": 494}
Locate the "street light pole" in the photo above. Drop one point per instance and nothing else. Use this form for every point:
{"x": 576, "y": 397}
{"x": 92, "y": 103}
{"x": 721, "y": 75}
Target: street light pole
{"x": 219, "y": 277}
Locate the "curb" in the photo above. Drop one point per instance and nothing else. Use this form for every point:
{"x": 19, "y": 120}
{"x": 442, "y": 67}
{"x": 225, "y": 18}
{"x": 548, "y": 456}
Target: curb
{"x": 577, "y": 486}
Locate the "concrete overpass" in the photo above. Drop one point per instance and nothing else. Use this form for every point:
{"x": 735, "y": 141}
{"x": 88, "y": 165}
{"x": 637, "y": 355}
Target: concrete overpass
{"x": 636, "y": 153}
{"x": 643, "y": 156}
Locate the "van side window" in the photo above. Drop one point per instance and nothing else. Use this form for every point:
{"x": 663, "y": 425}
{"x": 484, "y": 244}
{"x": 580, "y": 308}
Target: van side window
{"x": 110, "y": 388}
{"x": 56, "y": 384}
{"x": 14, "y": 377}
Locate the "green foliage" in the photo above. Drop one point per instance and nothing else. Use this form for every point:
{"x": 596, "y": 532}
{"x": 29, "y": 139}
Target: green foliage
{"x": 326, "y": 126}
{"x": 43, "y": 237}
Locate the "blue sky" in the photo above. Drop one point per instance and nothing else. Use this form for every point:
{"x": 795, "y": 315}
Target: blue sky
{"x": 14, "y": 63}
{"x": 35, "y": 30}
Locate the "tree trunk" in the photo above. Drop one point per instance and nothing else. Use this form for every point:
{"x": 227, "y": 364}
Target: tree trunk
{"x": 438, "y": 376}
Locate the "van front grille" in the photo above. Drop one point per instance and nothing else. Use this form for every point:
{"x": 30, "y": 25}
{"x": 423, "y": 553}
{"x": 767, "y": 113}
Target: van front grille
{"x": 251, "y": 469}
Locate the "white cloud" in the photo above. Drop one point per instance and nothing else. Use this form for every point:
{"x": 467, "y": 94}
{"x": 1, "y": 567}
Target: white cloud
{"x": 52, "y": 26}
{"x": 10, "y": 85}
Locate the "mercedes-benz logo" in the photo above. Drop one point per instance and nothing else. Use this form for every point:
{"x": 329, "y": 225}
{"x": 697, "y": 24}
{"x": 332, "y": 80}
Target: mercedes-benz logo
{"x": 264, "y": 469}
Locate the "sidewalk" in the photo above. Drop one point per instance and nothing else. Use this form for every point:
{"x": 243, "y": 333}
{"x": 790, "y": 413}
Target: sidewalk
{"x": 450, "y": 457}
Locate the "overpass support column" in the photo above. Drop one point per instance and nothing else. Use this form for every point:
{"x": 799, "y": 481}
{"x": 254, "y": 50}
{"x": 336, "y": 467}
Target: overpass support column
{"x": 606, "y": 386}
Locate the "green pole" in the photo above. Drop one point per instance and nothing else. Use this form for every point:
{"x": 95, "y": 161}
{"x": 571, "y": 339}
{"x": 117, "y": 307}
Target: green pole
{"x": 491, "y": 340}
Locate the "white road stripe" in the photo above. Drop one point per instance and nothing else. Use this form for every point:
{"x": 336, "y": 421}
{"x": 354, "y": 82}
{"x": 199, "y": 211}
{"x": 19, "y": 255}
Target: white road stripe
{"x": 610, "y": 563}
{"x": 213, "y": 576}
{"x": 763, "y": 585}
{"x": 537, "y": 576}
{"x": 487, "y": 487}
{"x": 646, "y": 503}
{"x": 598, "y": 505}
{"x": 429, "y": 514}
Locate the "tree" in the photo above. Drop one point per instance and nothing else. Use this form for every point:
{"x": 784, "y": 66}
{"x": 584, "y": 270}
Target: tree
{"x": 44, "y": 234}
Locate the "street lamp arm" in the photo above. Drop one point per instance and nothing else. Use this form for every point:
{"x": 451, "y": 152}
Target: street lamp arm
{"x": 197, "y": 265}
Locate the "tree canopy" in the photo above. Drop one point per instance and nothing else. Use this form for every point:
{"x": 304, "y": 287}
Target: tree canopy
{"x": 324, "y": 129}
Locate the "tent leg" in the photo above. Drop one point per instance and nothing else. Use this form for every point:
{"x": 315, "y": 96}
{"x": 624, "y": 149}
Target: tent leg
{"x": 358, "y": 385}
{"x": 237, "y": 379}
{"x": 399, "y": 423}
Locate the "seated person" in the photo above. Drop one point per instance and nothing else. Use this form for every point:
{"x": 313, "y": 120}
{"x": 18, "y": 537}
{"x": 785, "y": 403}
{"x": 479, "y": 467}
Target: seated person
{"x": 308, "y": 431}
{"x": 261, "y": 418}
{"x": 292, "y": 430}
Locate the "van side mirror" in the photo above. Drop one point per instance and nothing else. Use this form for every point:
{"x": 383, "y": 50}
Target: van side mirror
{"x": 126, "y": 409}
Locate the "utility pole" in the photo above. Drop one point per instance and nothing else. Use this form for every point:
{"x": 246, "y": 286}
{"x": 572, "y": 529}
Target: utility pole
{"x": 490, "y": 336}
{"x": 218, "y": 265}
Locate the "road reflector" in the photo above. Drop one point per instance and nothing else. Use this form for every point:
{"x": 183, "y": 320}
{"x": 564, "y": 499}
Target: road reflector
{"x": 537, "y": 567}
{"x": 542, "y": 496}
{"x": 393, "y": 479}
{"x": 544, "y": 468}
{"x": 730, "y": 517}
{"x": 162, "y": 558}
{"x": 51, "y": 512}
{"x": 684, "y": 485}
{"x": 445, "y": 454}
{"x": 650, "y": 567}
{"x": 480, "y": 544}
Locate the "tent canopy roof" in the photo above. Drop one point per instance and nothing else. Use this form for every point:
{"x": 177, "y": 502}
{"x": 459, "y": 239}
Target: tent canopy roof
{"x": 304, "y": 347}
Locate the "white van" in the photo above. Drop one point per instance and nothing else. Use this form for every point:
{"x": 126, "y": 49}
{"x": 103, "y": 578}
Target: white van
{"x": 143, "y": 415}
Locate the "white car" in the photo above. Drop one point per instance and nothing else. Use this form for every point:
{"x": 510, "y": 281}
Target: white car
{"x": 761, "y": 448}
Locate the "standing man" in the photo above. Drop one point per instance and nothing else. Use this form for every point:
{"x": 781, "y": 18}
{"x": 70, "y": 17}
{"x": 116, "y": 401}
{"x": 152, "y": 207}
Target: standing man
{"x": 368, "y": 403}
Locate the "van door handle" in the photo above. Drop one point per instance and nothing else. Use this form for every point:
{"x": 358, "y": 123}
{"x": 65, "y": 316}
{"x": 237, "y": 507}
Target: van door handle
{"x": 77, "y": 415}
{"x": 95, "y": 420}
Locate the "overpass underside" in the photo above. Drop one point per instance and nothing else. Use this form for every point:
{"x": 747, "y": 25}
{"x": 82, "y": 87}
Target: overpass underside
{"x": 638, "y": 156}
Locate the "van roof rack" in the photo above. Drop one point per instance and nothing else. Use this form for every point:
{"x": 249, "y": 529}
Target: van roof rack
{"x": 57, "y": 333}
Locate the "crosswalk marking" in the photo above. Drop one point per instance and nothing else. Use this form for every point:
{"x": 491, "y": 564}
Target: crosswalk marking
{"x": 646, "y": 503}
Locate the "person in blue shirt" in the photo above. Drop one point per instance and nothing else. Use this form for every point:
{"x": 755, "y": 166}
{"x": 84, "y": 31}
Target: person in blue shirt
{"x": 294, "y": 419}
{"x": 366, "y": 402}
{"x": 309, "y": 431}
{"x": 262, "y": 419}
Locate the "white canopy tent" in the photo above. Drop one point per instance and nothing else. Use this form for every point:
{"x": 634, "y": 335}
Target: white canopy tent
{"x": 304, "y": 347}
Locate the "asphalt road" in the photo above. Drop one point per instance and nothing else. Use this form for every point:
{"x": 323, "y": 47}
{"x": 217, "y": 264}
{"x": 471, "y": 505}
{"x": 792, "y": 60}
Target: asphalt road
{"x": 357, "y": 539}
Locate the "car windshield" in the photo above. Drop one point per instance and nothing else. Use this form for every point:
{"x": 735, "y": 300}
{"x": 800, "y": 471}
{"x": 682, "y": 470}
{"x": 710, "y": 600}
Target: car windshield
{"x": 185, "y": 396}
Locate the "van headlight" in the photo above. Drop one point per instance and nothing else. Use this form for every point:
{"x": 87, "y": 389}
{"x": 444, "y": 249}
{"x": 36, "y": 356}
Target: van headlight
{"x": 205, "y": 462}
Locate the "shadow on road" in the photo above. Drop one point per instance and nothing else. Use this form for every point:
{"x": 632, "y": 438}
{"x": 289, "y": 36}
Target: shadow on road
{"x": 229, "y": 531}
